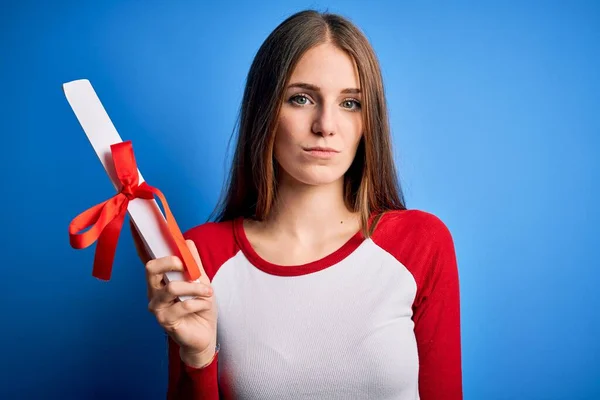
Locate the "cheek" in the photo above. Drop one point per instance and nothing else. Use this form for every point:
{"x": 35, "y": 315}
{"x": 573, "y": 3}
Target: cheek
{"x": 283, "y": 142}
{"x": 355, "y": 136}
{"x": 283, "y": 151}
{"x": 352, "y": 127}
{"x": 287, "y": 135}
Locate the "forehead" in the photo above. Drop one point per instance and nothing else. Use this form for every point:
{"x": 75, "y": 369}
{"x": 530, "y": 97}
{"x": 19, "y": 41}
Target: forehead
{"x": 328, "y": 67}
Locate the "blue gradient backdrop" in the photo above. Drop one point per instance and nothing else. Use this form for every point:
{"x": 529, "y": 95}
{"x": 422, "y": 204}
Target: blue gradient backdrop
{"x": 496, "y": 122}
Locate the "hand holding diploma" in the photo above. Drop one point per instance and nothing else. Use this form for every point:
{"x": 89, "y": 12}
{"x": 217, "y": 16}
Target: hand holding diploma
{"x": 192, "y": 323}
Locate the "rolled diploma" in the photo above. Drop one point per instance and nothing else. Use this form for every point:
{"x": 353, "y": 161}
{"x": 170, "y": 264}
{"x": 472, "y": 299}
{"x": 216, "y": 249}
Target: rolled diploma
{"x": 145, "y": 214}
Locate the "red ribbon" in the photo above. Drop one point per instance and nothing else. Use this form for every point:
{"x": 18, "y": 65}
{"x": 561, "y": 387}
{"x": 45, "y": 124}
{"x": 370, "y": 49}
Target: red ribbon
{"x": 106, "y": 219}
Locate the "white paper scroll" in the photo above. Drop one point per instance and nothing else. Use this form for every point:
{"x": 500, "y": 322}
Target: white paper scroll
{"x": 145, "y": 214}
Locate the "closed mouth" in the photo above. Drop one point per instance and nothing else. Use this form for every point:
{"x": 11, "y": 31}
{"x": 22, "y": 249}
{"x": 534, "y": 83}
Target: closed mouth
{"x": 321, "y": 149}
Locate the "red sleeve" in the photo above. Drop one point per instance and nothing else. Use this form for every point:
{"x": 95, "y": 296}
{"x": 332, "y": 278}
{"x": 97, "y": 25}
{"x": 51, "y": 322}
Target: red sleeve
{"x": 187, "y": 383}
{"x": 215, "y": 244}
{"x": 437, "y": 319}
{"x": 424, "y": 245}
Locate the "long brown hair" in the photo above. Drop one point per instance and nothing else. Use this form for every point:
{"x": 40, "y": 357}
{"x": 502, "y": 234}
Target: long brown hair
{"x": 371, "y": 185}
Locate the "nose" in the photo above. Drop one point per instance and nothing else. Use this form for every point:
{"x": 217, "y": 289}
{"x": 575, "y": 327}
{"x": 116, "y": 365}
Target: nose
{"x": 324, "y": 123}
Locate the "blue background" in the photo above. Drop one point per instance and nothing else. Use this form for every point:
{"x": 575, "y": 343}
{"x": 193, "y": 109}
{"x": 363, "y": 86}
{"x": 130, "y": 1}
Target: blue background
{"x": 496, "y": 123}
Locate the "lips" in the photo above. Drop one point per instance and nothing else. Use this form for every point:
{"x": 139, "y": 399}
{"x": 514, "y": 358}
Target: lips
{"x": 321, "y": 149}
{"x": 322, "y": 153}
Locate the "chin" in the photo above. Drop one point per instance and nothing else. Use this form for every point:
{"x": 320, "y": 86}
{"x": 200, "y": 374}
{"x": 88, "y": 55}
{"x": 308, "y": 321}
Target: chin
{"x": 317, "y": 176}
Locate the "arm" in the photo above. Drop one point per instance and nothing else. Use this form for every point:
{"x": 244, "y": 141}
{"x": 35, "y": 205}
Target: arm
{"x": 186, "y": 382}
{"x": 437, "y": 319}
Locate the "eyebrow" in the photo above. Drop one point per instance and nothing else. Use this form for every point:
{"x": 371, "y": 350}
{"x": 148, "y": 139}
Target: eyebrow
{"x": 314, "y": 88}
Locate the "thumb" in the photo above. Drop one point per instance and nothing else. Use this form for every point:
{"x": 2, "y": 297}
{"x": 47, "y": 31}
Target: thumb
{"x": 192, "y": 246}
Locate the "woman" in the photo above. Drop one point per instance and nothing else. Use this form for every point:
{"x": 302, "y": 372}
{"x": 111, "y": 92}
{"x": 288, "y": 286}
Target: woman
{"x": 324, "y": 284}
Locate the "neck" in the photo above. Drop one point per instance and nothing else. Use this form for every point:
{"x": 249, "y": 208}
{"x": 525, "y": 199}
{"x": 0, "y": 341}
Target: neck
{"x": 310, "y": 213}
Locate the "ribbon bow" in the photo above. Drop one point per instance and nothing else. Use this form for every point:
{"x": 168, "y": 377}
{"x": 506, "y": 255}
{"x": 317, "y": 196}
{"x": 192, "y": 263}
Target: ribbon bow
{"x": 106, "y": 219}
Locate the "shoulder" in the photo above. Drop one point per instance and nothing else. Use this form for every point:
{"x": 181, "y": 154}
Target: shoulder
{"x": 416, "y": 225}
{"x": 418, "y": 240}
{"x": 215, "y": 242}
{"x": 210, "y": 231}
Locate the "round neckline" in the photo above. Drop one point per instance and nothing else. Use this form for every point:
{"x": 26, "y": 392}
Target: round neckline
{"x": 292, "y": 270}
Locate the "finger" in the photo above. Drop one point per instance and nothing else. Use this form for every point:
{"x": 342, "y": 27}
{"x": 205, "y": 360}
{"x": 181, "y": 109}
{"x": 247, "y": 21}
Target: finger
{"x": 162, "y": 265}
{"x": 171, "y": 291}
{"x": 170, "y": 317}
{"x": 156, "y": 269}
{"x": 192, "y": 246}
{"x": 154, "y": 283}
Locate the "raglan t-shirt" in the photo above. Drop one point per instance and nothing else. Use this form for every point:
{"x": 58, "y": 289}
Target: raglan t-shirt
{"x": 376, "y": 319}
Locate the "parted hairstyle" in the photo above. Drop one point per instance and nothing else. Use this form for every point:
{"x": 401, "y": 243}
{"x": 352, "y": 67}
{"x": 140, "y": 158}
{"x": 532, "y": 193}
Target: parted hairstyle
{"x": 371, "y": 185}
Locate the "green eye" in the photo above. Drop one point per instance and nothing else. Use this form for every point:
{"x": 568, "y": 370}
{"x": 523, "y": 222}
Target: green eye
{"x": 299, "y": 99}
{"x": 351, "y": 104}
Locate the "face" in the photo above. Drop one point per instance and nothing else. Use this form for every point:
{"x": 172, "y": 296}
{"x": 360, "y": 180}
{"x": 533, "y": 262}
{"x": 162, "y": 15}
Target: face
{"x": 320, "y": 123}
